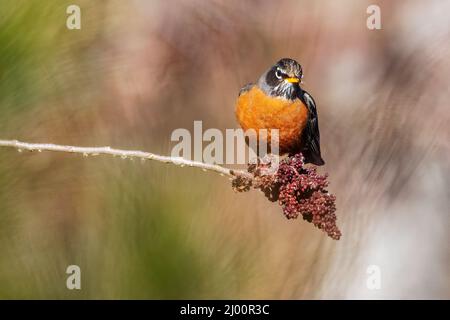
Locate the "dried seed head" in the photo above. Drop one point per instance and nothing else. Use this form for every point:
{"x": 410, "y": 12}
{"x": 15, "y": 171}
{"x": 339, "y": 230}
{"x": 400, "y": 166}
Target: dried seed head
{"x": 298, "y": 190}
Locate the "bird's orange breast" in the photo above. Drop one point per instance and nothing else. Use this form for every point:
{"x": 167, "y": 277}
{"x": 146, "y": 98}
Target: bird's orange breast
{"x": 256, "y": 110}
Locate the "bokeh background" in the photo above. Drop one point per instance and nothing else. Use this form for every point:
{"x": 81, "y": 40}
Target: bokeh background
{"x": 137, "y": 70}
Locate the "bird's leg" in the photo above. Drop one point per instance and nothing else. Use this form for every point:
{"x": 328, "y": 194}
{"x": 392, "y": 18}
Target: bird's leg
{"x": 270, "y": 163}
{"x": 265, "y": 165}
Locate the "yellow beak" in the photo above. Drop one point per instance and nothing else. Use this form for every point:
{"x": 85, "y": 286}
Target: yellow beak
{"x": 292, "y": 80}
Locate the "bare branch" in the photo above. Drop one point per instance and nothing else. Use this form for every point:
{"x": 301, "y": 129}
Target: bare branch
{"x": 297, "y": 188}
{"x": 93, "y": 151}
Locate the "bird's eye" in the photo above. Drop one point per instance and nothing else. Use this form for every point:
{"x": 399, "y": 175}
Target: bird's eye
{"x": 278, "y": 74}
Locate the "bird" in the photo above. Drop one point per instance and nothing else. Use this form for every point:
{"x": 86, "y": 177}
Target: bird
{"x": 277, "y": 101}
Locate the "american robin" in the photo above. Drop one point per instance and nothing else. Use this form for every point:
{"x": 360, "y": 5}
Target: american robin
{"x": 277, "y": 101}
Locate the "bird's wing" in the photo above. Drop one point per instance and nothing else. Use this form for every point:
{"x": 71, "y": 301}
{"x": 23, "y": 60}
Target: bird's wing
{"x": 246, "y": 88}
{"x": 311, "y": 136}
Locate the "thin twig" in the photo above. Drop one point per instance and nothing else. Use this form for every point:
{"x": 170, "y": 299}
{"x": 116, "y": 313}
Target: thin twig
{"x": 93, "y": 151}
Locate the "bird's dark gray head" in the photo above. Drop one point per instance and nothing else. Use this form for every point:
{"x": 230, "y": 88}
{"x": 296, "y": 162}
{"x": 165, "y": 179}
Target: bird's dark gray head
{"x": 282, "y": 79}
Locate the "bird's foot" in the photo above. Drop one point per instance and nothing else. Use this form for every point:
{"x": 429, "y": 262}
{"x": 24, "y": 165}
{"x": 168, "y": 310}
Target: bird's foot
{"x": 266, "y": 165}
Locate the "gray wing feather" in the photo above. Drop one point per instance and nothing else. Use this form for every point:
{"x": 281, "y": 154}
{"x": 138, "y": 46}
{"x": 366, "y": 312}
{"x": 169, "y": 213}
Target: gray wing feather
{"x": 311, "y": 134}
{"x": 246, "y": 88}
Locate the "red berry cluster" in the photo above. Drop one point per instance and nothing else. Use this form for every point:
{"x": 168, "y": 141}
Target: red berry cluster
{"x": 303, "y": 191}
{"x": 298, "y": 189}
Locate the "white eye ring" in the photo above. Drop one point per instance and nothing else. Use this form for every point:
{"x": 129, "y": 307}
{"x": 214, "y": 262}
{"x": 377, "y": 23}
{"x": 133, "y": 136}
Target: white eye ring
{"x": 278, "y": 74}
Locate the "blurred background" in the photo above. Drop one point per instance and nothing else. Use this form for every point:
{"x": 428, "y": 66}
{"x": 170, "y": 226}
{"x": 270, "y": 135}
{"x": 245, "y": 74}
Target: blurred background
{"x": 138, "y": 70}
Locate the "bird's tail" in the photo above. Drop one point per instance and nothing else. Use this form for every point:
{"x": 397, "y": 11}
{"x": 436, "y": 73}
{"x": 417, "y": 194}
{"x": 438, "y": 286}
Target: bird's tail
{"x": 314, "y": 158}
